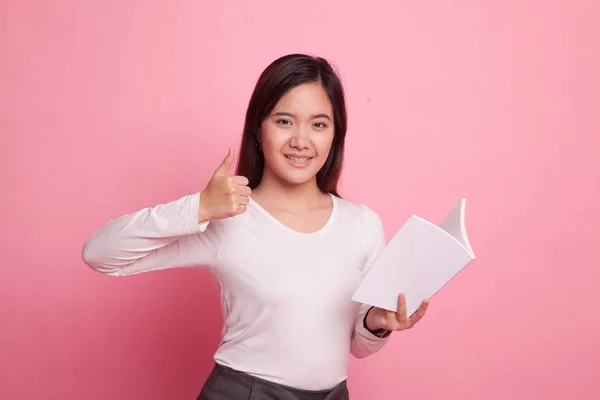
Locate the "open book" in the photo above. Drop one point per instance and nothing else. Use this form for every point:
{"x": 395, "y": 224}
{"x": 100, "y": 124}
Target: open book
{"x": 418, "y": 261}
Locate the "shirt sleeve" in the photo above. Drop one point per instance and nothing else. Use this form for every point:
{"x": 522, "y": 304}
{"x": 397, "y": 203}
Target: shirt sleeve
{"x": 155, "y": 238}
{"x": 364, "y": 342}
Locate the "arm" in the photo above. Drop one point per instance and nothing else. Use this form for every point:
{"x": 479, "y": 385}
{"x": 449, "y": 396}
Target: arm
{"x": 165, "y": 236}
{"x": 364, "y": 340}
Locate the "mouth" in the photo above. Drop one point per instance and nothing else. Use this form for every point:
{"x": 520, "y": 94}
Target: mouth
{"x": 298, "y": 161}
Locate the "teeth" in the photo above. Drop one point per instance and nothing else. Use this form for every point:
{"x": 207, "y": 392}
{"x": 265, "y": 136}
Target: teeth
{"x": 298, "y": 160}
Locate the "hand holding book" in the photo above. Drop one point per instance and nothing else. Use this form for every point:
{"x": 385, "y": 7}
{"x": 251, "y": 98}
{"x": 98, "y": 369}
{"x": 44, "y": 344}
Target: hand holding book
{"x": 380, "y": 319}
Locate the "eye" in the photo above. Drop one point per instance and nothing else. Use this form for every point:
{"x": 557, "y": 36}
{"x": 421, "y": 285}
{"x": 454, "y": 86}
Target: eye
{"x": 283, "y": 122}
{"x": 321, "y": 125}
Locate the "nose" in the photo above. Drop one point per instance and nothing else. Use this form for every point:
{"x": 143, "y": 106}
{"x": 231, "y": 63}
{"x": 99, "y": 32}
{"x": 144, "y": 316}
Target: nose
{"x": 300, "y": 138}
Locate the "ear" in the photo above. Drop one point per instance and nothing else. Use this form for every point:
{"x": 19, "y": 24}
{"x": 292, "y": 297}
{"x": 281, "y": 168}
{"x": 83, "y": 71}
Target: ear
{"x": 257, "y": 136}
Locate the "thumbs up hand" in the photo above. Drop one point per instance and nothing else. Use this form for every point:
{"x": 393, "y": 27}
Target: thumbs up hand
{"x": 224, "y": 195}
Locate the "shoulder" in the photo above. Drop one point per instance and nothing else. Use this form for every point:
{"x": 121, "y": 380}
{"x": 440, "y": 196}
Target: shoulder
{"x": 366, "y": 225}
{"x": 362, "y": 216}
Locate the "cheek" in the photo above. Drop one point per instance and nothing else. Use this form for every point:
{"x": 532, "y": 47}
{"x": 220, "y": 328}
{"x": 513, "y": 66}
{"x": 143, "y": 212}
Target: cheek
{"x": 271, "y": 134}
{"x": 323, "y": 144}
{"x": 267, "y": 139}
{"x": 270, "y": 145}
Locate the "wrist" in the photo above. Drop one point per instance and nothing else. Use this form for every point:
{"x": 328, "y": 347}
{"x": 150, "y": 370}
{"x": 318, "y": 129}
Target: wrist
{"x": 202, "y": 213}
{"x": 369, "y": 323}
{"x": 370, "y": 318}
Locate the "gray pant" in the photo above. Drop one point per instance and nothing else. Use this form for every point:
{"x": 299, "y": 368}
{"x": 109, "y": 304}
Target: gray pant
{"x": 227, "y": 384}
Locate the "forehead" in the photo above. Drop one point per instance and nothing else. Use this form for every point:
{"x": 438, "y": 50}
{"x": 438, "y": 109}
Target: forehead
{"x": 308, "y": 98}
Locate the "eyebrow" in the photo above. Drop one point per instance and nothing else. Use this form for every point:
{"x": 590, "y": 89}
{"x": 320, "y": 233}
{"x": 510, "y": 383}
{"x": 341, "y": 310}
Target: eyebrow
{"x": 287, "y": 114}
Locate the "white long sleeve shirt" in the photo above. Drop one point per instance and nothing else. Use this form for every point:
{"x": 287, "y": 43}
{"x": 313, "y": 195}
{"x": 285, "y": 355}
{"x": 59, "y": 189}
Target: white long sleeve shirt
{"x": 285, "y": 295}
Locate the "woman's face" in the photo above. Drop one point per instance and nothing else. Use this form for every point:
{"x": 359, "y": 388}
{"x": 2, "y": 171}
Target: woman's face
{"x": 297, "y": 136}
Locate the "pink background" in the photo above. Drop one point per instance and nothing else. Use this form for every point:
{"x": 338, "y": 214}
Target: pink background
{"x": 111, "y": 106}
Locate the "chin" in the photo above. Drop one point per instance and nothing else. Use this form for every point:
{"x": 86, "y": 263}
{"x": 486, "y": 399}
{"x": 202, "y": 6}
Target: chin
{"x": 298, "y": 176}
{"x": 297, "y": 179}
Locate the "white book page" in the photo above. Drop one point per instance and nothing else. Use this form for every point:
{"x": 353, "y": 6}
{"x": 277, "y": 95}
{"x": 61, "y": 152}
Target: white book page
{"x": 454, "y": 224}
{"x": 419, "y": 260}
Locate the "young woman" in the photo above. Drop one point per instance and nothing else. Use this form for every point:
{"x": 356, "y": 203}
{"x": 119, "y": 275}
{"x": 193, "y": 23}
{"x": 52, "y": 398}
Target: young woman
{"x": 286, "y": 250}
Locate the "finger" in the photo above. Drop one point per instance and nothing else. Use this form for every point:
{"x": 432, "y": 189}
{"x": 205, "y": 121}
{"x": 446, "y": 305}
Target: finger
{"x": 401, "y": 314}
{"x": 243, "y": 200}
{"x": 241, "y": 208}
{"x": 244, "y": 191}
{"x": 236, "y": 200}
{"x": 420, "y": 312}
{"x": 241, "y": 180}
{"x": 223, "y": 169}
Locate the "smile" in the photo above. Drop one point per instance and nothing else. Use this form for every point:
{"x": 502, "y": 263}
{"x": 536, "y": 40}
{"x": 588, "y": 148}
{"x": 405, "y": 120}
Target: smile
{"x": 298, "y": 161}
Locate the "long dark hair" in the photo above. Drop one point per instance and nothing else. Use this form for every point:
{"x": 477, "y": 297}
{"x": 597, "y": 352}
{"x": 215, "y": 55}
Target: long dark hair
{"x": 280, "y": 76}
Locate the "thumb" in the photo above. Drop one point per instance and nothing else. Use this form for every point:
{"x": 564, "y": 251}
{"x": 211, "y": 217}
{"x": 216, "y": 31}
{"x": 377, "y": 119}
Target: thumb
{"x": 223, "y": 169}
